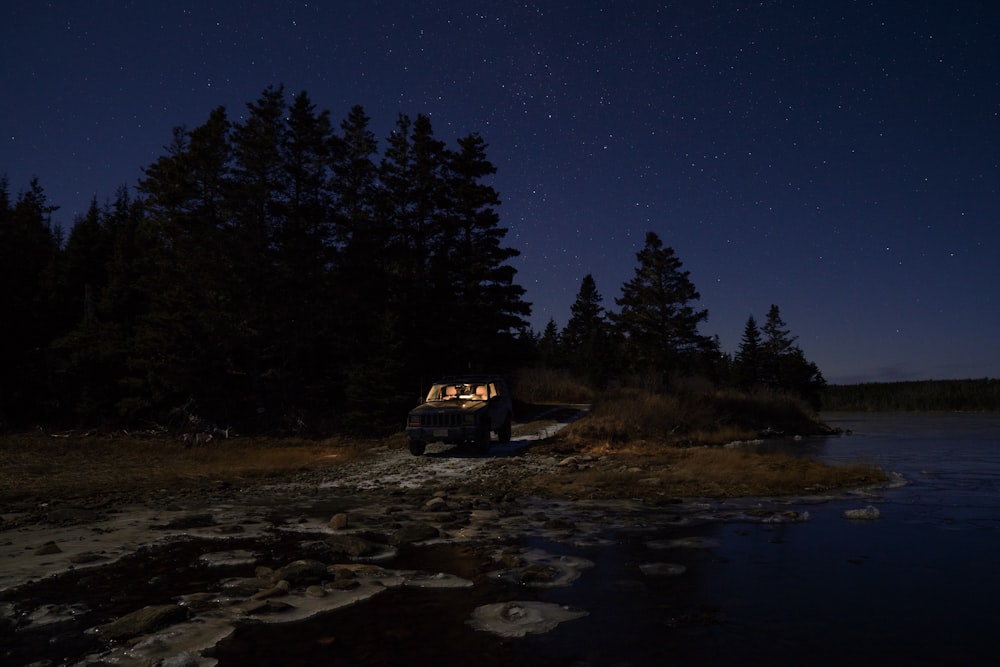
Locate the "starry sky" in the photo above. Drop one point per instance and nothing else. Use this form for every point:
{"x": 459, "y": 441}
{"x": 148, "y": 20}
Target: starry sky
{"x": 838, "y": 159}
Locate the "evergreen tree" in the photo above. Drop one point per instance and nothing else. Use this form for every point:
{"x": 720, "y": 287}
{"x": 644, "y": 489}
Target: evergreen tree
{"x": 412, "y": 190}
{"x": 366, "y": 331}
{"x": 29, "y": 250}
{"x": 472, "y": 264}
{"x": 303, "y": 248}
{"x": 549, "y": 345}
{"x": 586, "y": 341}
{"x": 188, "y": 333}
{"x": 784, "y": 366}
{"x": 747, "y": 365}
{"x": 657, "y": 320}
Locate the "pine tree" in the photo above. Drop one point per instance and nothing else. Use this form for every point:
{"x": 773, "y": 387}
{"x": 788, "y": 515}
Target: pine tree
{"x": 188, "y": 333}
{"x": 747, "y": 365}
{"x": 657, "y": 320}
{"x": 586, "y": 341}
{"x": 784, "y": 366}
{"x": 472, "y": 263}
{"x": 29, "y": 251}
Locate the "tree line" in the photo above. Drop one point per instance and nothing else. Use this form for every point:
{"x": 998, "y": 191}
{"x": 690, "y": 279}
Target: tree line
{"x": 653, "y": 338}
{"x": 278, "y": 271}
{"x": 974, "y": 395}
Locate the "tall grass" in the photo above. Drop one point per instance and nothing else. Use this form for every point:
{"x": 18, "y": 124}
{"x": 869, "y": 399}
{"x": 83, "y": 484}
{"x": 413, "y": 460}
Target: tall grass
{"x": 694, "y": 417}
{"x": 549, "y": 385}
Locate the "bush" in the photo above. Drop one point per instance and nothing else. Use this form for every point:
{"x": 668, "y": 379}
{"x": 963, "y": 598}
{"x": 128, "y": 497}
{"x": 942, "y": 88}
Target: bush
{"x": 548, "y": 385}
{"x": 712, "y": 417}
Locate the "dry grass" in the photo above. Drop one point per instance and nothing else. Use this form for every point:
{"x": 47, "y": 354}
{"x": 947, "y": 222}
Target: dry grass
{"x": 547, "y": 385}
{"x": 37, "y": 464}
{"x": 650, "y": 443}
{"x": 692, "y": 418}
{"x": 664, "y": 470}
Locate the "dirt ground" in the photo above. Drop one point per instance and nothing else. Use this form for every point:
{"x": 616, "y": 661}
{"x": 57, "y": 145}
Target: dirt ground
{"x": 44, "y": 476}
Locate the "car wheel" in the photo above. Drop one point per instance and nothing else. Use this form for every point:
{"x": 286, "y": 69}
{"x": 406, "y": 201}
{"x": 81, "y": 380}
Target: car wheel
{"x": 417, "y": 447}
{"x": 483, "y": 438}
{"x": 503, "y": 435}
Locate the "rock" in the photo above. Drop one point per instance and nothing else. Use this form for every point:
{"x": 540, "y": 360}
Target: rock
{"x": 339, "y": 521}
{"x": 536, "y": 573}
{"x": 436, "y": 504}
{"x": 48, "y": 549}
{"x": 414, "y": 532}
{"x": 302, "y": 572}
{"x": 143, "y": 621}
{"x": 662, "y": 569}
{"x": 517, "y": 619}
{"x": 344, "y": 578}
{"x": 266, "y": 607}
{"x": 869, "y": 513}
{"x": 279, "y": 589}
{"x": 351, "y": 546}
{"x": 183, "y": 659}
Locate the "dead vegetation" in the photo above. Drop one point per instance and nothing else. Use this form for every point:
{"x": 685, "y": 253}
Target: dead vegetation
{"x": 642, "y": 443}
{"x": 46, "y": 465}
{"x": 633, "y": 443}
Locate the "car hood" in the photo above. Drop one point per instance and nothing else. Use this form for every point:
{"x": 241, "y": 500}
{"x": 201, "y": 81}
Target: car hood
{"x": 449, "y": 406}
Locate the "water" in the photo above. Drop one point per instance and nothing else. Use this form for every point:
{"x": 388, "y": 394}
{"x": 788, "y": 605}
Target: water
{"x": 918, "y": 586}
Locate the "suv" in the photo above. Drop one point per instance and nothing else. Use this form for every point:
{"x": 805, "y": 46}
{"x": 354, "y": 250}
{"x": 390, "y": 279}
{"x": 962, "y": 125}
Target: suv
{"x": 462, "y": 409}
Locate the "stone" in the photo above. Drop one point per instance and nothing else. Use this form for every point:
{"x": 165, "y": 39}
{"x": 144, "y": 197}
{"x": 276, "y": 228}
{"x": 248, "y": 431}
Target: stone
{"x": 145, "y": 620}
{"x": 279, "y": 589}
{"x": 302, "y": 572}
{"x": 869, "y": 513}
{"x": 339, "y": 521}
{"x": 414, "y": 532}
{"x": 436, "y": 504}
{"x": 48, "y": 549}
{"x": 351, "y": 546}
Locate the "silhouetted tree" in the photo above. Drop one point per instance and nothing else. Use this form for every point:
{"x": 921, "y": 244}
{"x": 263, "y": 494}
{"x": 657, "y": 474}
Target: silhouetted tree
{"x": 747, "y": 365}
{"x": 586, "y": 339}
{"x": 784, "y": 367}
{"x": 657, "y": 320}
{"x": 487, "y": 306}
{"x": 29, "y": 251}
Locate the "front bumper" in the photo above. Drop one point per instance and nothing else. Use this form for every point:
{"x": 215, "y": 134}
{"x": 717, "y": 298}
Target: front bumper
{"x": 452, "y": 434}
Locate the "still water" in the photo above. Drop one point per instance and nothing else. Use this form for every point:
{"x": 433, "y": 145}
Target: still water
{"x": 917, "y": 586}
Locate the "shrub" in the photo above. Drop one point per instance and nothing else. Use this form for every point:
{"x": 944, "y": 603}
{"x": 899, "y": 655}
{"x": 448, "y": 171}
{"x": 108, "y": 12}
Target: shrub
{"x": 549, "y": 385}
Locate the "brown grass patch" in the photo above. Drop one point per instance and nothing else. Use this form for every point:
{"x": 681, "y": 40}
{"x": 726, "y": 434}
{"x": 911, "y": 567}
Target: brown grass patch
{"x": 549, "y": 385}
{"x": 652, "y": 443}
{"x": 37, "y": 464}
{"x": 692, "y": 418}
{"x": 644, "y": 471}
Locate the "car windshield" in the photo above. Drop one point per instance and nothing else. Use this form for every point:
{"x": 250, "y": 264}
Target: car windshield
{"x": 464, "y": 391}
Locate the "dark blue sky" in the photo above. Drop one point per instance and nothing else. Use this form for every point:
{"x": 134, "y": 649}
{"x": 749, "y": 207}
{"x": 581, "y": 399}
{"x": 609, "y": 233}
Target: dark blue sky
{"x": 838, "y": 159}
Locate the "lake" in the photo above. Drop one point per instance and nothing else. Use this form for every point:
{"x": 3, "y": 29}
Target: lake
{"x": 916, "y": 586}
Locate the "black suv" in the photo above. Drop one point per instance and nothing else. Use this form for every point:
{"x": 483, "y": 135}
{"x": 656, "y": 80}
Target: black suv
{"x": 462, "y": 409}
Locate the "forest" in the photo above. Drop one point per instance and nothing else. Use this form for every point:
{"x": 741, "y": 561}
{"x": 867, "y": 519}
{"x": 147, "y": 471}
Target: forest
{"x": 970, "y": 395}
{"x": 280, "y": 273}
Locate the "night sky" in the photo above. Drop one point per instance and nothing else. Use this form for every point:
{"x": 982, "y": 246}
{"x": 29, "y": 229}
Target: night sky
{"x": 838, "y": 159}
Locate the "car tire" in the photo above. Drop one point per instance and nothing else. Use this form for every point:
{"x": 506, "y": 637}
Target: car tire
{"x": 417, "y": 447}
{"x": 483, "y": 438}
{"x": 503, "y": 435}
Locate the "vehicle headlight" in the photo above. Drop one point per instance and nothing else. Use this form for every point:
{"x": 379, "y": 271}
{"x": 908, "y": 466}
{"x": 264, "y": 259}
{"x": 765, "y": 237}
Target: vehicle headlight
{"x": 469, "y": 420}
{"x": 413, "y": 420}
